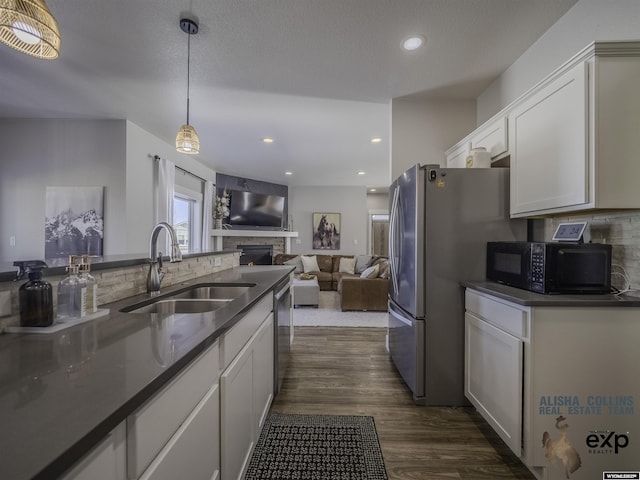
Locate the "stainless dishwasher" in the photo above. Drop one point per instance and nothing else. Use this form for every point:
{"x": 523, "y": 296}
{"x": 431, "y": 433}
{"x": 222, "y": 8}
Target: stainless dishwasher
{"x": 282, "y": 331}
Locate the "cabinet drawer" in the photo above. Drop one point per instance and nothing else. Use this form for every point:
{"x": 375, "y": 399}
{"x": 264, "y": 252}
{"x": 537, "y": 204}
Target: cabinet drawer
{"x": 233, "y": 340}
{"x": 194, "y": 449}
{"x": 106, "y": 461}
{"x": 508, "y": 317}
{"x": 153, "y": 424}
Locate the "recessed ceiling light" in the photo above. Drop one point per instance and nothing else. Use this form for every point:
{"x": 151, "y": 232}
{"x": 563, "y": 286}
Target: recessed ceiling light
{"x": 362, "y": 173}
{"x": 267, "y": 140}
{"x": 413, "y": 42}
{"x": 372, "y": 189}
{"x": 376, "y": 140}
{"x": 288, "y": 173}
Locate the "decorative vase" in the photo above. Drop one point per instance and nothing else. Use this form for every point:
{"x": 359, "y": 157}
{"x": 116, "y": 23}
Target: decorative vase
{"x": 218, "y": 224}
{"x": 479, "y": 158}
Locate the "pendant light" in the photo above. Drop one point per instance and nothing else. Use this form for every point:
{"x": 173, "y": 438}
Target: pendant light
{"x": 187, "y": 140}
{"x": 29, "y": 27}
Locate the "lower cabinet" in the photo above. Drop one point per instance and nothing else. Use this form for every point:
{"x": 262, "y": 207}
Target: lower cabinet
{"x": 179, "y": 425}
{"x": 203, "y": 424}
{"x": 246, "y": 389}
{"x": 106, "y": 461}
{"x": 493, "y": 378}
{"x": 557, "y": 380}
{"x": 194, "y": 450}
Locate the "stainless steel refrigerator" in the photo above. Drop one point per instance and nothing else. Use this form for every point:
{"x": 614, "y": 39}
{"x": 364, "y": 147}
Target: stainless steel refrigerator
{"x": 440, "y": 221}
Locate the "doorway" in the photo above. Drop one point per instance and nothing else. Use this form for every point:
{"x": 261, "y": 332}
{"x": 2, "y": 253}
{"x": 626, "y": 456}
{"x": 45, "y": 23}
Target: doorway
{"x": 379, "y": 234}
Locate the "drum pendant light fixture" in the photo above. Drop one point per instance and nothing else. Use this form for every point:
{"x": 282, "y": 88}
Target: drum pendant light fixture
{"x": 187, "y": 140}
{"x": 29, "y": 27}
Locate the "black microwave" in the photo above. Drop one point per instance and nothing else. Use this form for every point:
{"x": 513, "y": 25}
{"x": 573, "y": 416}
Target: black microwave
{"x": 551, "y": 267}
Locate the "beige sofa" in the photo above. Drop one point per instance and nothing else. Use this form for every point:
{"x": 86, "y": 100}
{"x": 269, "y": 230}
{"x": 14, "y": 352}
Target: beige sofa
{"x": 355, "y": 293}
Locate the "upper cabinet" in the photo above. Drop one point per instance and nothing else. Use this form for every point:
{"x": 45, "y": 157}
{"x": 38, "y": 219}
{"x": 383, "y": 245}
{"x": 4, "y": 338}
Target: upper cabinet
{"x": 491, "y": 135}
{"x": 574, "y": 137}
{"x": 457, "y": 155}
{"x": 548, "y": 132}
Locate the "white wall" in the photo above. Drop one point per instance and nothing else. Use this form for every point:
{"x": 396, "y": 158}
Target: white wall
{"x": 116, "y": 154}
{"x": 585, "y": 22}
{"x": 141, "y": 147}
{"x": 422, "y": 130}
{"x": 350, "y": 202}
{"x": 377, "y": 201}
{"x": 40, "y": 153}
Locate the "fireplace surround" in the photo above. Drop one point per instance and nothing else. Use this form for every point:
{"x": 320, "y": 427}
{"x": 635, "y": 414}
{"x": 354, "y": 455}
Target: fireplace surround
{"x": 256, "y": 254}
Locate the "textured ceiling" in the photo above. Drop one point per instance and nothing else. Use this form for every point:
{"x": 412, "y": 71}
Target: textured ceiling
{"x": 315, "y": 75}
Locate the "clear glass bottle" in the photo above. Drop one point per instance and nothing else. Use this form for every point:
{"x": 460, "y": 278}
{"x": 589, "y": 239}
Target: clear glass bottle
{"x": 92, "y": 285}
{"x": 72, "y": 294}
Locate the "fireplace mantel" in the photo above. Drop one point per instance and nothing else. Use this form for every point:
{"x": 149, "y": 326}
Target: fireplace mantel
{"x": 218, "y": 235}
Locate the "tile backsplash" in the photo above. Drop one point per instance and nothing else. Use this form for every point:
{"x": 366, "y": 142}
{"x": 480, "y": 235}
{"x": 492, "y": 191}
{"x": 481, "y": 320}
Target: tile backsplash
{"x": 620, "y": 229}
{"x": 118, "y": 283}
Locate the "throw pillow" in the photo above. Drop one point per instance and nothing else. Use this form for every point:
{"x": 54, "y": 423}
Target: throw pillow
{"x": 384, "y": 269}
{"x": 310, "y": 263}
{"x": 370, "y": 272}
{"x": 296, "y": 262}
{"x": 362, "y": 262}
{"x": 347, "y": 265}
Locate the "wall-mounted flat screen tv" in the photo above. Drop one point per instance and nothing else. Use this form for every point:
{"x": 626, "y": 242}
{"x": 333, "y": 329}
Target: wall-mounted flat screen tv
{"x": 250, "y": 209}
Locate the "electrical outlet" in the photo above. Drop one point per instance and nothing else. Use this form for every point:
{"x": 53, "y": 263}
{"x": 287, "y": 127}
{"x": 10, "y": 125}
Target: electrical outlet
{"x": 5, "y": 304}
{"x": 12, "y": 241}
{"x": 217, "y": 262}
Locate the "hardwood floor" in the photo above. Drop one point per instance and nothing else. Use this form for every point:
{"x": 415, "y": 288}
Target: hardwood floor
{"x": 347, "y": 371}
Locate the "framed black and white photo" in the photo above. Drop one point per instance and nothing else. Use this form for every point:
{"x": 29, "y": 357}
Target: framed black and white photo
{"x": 74, "y": 222}
{"x": 326, "y": 231}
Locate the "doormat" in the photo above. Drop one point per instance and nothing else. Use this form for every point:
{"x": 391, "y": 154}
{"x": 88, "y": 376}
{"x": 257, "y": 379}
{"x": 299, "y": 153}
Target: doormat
{"x": 317, "y": 447}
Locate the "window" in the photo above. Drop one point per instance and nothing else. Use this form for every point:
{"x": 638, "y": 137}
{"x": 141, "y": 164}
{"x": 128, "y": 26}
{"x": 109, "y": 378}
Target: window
{"x": 183, "y": 221}
{"x": 187, "y": 214}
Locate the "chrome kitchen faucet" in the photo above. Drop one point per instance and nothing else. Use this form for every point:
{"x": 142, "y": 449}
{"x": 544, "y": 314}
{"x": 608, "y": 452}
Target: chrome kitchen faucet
{"x": 155, "y": 268}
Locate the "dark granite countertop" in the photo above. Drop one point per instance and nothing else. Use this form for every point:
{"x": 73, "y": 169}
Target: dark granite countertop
{"x": 61, "y": 393}
{"x": 527, "y": 298}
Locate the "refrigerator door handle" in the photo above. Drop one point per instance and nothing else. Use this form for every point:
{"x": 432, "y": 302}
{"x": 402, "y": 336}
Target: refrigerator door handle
{"x": 399, "y": 317}
{"x": 393, "y": 221}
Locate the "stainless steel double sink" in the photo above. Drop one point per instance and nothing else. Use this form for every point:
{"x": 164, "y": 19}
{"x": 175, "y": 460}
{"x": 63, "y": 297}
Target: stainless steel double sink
{"x": 199, "y": 298}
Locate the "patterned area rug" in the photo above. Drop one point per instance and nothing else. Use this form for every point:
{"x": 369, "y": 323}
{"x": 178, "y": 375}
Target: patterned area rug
{"x": 317, "y": 447}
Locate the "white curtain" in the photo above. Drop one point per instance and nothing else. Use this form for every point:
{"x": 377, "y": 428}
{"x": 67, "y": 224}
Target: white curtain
{"x": 207, "y": 214}
{"x": 164, "y": 191}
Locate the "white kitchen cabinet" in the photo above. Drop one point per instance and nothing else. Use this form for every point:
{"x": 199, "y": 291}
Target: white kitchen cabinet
{"x": 457, "y": 155}
{"x": 246, "y": 390}
{"x": 549, "y": 166}
{"x": 236, "y": 412}
{"x": 106, "y": 461}
{"x": 492, "y": 135}
{"x": 263, "y": 373}
{"x": 156, "y": 422}
{"x": 573, "y": 137}
{"x": 194, "y": 450}
{"x": 556, "y": 380}
{"x": 493, "y": 366}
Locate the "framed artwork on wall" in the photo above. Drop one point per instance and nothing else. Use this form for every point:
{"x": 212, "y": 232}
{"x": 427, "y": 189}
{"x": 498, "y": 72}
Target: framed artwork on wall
{"x": 326, "y": 231}
{"x": 74, "y": 222}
